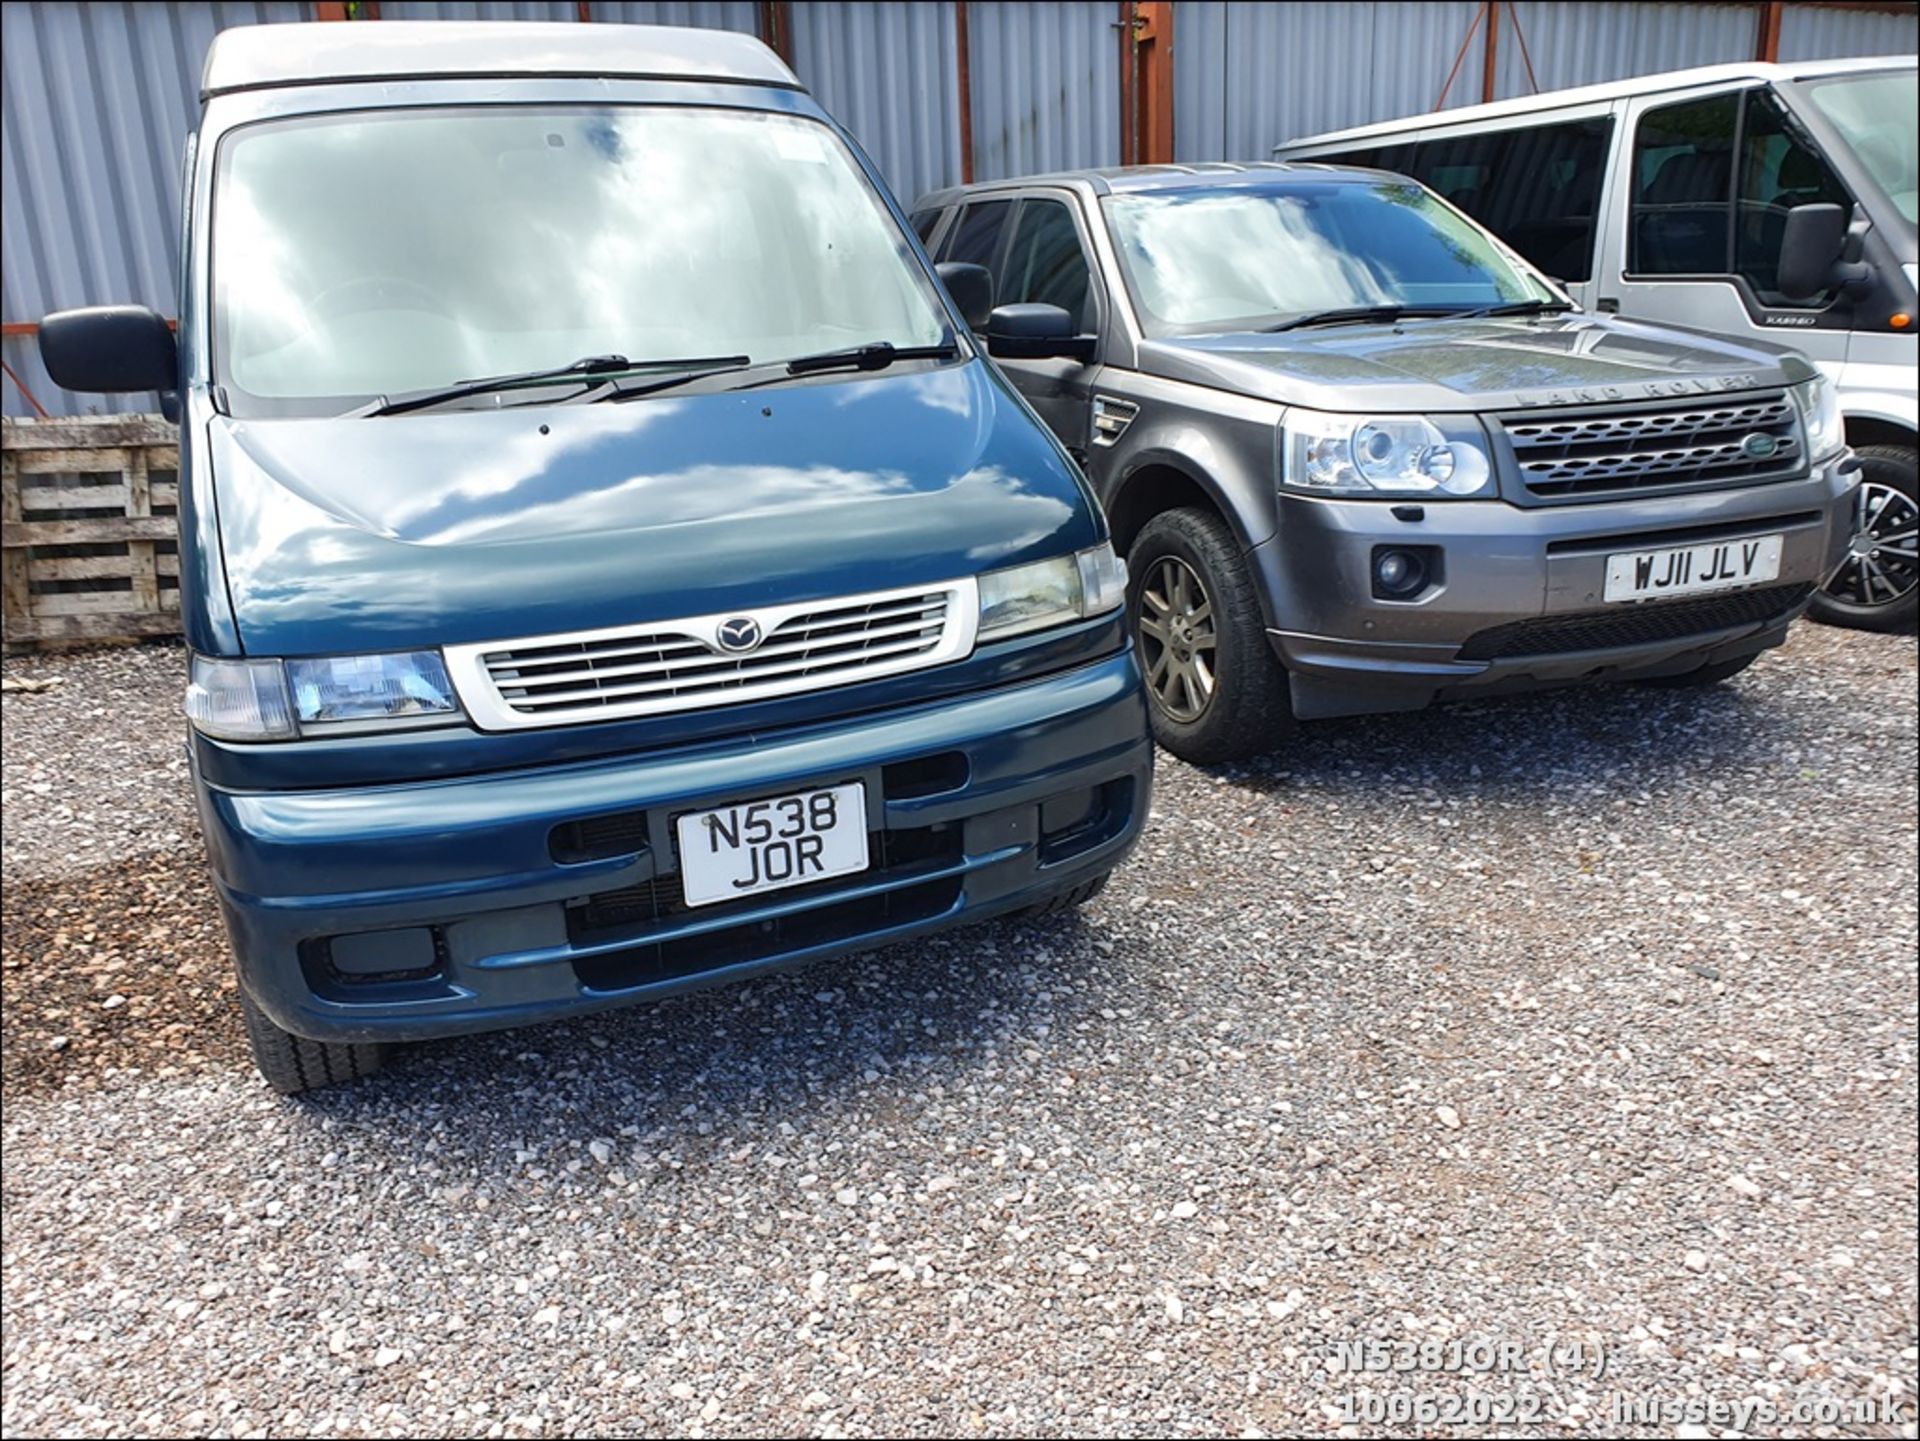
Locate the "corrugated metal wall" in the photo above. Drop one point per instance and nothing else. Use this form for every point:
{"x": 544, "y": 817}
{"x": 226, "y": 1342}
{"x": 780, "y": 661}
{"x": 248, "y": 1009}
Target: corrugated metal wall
{"x": 1046, "y": 86}
{"x": 487, "y": 10}
{"x": 90, "y": 173}
{"x": 1818, "y": 32}
{"x": 741, "y": 15}
{"x": 1248, "y": 74}
{"x": 97, "y": 98}
{"x": 706, "y": 14}
{"x": 1587, "y": 43}
{"x": 889, "y": 70}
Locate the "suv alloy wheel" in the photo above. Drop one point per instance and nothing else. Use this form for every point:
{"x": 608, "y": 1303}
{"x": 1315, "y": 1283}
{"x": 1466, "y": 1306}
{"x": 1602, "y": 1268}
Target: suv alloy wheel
{"x": 1215, "y": 689}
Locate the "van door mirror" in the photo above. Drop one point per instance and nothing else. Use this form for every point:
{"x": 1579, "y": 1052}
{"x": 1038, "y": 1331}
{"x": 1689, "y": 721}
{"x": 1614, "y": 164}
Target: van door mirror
{"x": 1033, "y": 331}
{"x": 971, "y": 288}
{"x": 1810, "y": 246}
{"x": 109, "y": 349}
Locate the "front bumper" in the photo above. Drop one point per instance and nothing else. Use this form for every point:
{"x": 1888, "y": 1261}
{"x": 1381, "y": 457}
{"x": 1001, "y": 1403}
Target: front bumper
{"x": 1511, "y": 575}
{"x": 522, "y": 896}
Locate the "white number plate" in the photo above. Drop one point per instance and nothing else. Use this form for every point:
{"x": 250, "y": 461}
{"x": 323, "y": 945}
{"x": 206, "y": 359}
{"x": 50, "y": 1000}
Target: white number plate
{"x": 769, "y": 845}
{"x": 1693, "y": 569}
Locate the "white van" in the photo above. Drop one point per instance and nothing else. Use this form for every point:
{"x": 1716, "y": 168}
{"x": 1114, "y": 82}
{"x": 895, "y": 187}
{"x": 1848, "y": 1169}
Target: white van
{"x": 1750, "y": 201}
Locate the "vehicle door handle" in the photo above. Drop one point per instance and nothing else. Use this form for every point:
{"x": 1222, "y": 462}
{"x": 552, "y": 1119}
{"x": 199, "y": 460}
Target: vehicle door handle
{"x": 1608, "y": 305}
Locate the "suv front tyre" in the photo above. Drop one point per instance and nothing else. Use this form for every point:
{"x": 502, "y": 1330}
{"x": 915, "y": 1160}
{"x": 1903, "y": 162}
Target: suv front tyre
{"x": 1215, "y": 690}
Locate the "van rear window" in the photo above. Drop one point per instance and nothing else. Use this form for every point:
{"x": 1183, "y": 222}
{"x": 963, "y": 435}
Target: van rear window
{"x": 1537, "y": 187}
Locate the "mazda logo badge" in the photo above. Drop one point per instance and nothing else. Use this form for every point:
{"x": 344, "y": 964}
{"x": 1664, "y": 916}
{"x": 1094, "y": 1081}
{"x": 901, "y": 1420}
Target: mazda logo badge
{"x": 739, "y": 635}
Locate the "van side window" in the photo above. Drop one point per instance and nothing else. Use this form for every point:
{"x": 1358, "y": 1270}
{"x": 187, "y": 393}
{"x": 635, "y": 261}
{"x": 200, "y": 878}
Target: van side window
{"x": 1537, "y": 188}
{"x": 1712, "y": 188}
{"x": 975, "y": 239}
{"x": 1780, "y": 168}
{"x": 1047, "y": 264}
{"x": 1683, "y": 188}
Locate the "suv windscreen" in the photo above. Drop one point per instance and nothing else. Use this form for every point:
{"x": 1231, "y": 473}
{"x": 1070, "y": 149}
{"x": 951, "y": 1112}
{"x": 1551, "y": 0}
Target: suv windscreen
{"x": 369, "y": 253}
{"x": 1200, "y": 261}
{"x": 1878, "y": 116}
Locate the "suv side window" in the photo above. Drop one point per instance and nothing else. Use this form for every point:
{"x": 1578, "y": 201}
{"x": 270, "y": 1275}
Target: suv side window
{"x": 923, "y": 223}
{"x": 1683, "y": 188}
{"x": 1047, "y": 264}
{"x": 976, "y": 237}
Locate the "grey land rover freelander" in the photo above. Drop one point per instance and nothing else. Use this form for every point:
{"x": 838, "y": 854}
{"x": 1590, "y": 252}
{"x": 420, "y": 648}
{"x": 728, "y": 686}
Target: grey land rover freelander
{"x": 1363, "y": 457}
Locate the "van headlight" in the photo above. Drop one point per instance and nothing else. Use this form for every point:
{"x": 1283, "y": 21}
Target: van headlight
{"x": 239, "y": 700}
{"x": 1386, "y": 455}
{"x": 267, "y": 700}
{"x": 1826, "y": 428}
{"x": 1052, "y": 592}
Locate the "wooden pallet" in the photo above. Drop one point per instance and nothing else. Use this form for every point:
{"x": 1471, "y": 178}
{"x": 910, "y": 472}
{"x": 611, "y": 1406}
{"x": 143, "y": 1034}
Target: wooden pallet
{"x": 89, "y": 550}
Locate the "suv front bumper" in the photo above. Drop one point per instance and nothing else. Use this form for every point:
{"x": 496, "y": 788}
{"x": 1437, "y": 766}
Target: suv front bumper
{"x": 1512, "y": 574}
{"x": 477, "y": 889}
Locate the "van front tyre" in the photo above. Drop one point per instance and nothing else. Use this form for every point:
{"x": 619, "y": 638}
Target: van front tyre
{"x": 1878, "y": 585}
{"x": 1215, "y": 689}
{"x": 293, "y": 1064}
{"x": 1068, "y": 900}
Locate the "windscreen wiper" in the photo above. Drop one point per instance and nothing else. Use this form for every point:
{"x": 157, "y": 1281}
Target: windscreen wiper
{"x": 1345, "y": 315}
{"x": 694, "y": 370}
{"x": 1516, "y": 307}
{"x": 586, "y": 369}
{"x": 877, "y": 356}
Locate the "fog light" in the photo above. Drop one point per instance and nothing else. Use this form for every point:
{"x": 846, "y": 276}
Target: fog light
{"x": 1398, "y": 573}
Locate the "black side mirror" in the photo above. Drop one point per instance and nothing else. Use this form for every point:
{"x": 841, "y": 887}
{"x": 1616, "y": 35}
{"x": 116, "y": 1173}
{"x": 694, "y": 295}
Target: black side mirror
{"x": 110, "y": 349}
{"x": 1810, "y": 247}
{"x": 971, "y": 288}
{"x": 1032, "y": 331}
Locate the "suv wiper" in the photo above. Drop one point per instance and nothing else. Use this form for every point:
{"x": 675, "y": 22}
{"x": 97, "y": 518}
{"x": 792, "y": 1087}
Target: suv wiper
{"x": 582, "y": 369}
{"x": 1345, "y": 315}
{"x": 1516, "y": 307}
{"x": 877, "y": 356}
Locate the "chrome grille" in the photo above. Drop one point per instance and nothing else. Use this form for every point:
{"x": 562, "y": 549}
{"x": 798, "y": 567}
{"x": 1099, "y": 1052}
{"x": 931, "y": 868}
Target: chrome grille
{"x": 1590, "y": 453}
{"x": 681, "y": 664}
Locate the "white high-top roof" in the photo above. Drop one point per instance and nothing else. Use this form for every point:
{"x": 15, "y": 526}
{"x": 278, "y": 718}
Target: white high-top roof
{"x": 316, "y": 52}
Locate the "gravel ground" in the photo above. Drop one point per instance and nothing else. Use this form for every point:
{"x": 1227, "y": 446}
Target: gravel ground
{"x": 1583, "y": 1024}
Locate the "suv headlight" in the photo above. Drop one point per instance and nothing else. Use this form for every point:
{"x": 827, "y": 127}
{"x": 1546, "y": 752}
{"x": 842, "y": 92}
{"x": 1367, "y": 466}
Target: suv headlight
{"x": 267, "y": 700}
{"x": 1052, "y": 592}
{"x": 1383, "y": 455}
{"x": 1826, "y": 428}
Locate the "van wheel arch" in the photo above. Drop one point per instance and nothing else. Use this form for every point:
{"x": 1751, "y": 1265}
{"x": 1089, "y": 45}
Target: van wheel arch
{"x": 1871, "y": 430}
